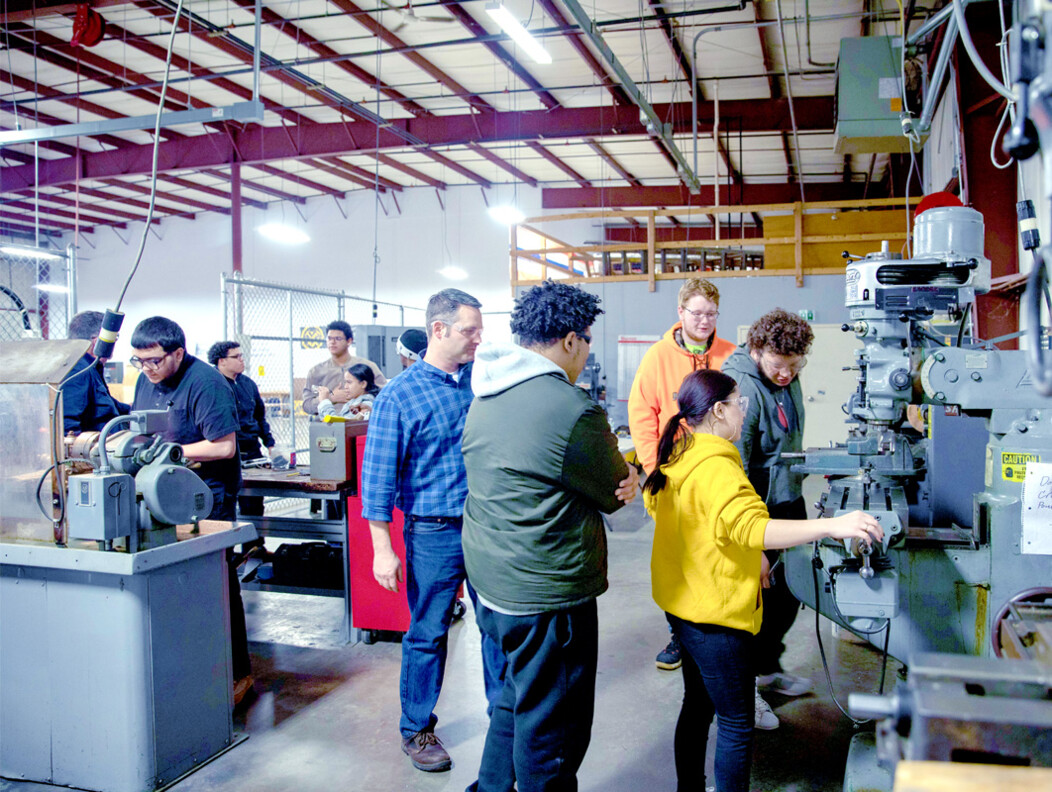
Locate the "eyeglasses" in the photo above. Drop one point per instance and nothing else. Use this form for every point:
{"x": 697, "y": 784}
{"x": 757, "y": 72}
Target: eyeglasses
{"x": 783, "y": 366}
{"x": 585, "y": 337}
{"x": 741, "y": 401}
{"x": 238, "y": 356}
{"x": 149, "y": 363}
{"x": 710, "y": 315}
{"x": 468, "y": 332}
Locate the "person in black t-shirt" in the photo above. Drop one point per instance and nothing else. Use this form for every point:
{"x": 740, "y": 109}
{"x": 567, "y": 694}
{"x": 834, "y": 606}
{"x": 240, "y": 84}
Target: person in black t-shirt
{"x": 205, "y": 424}
{"x": 87, "y": 404}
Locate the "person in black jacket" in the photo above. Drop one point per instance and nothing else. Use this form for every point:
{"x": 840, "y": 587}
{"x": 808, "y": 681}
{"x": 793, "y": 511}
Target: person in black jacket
{"x": 228, "y": 358}
{"x": 542, "y": 466}
{"x": 87, "y": 404}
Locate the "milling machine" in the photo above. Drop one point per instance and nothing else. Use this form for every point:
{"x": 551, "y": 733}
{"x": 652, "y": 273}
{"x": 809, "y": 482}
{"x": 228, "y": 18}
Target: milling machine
{"x": 946, "y": 485}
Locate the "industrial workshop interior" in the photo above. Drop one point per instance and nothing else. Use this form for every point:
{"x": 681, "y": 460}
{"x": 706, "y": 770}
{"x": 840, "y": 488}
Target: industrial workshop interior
{"x": 530, "y": 395}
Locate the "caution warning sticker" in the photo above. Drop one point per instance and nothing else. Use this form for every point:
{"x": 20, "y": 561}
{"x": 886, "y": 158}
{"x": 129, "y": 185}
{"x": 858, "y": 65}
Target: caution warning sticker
{"x": 1013, "y": 466}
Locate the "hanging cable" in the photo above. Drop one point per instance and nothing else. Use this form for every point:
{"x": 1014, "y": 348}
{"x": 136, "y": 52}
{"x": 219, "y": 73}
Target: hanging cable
{"x": 153, "y": 166}
{"x": 973, "y": 53}
{"x": 789, "y": 94}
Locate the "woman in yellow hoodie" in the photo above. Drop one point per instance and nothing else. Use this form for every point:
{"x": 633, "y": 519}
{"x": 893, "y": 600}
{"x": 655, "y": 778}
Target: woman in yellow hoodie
{"x": 711, "y": 531}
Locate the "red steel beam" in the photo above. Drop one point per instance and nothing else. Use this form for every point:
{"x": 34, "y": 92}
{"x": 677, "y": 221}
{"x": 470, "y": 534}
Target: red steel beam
{"x": 305, "y": 39}
{"x": 204, "y": 188}
{"x": 26, "y": 231}
{"x": 502, "y": 163}
{"x": 188, "y": 66}
{"x": 670, "y": 36}
{"x": 144, "y": 205}
{"x": 284, "y": 196}
{"x": 516, "y": 68}
{"x": 678, "y": 195}
{"x": 340, "y": 173}
{"x": 620, "y": 97}
{"x": 361, "y": 174}
{"x": 558, "y": 163}
{"x": 456, "y": 167}
{"x": 58, "y": 199}
{"x": 613, "y": 163}
{"x": 390, "y": 162}
{"x": 44, "y": 221}
{"x": 255, "y": 143}
{"x": 81, "y": 217}
{"x": 22, "y": 10}
{"x": 270, "y": 170}
{"x": 170, "y": 197}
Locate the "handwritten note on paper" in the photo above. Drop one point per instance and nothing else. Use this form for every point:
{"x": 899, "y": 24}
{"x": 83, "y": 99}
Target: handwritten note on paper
{"x": 1037, "y": 509}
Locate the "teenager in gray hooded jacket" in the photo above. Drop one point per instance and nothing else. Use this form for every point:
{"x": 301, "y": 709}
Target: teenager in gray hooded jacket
{"x": 766, "y": 369}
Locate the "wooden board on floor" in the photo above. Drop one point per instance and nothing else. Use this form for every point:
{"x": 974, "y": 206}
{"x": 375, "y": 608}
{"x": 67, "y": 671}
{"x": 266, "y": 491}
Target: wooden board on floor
{"x": 960, "y": 777}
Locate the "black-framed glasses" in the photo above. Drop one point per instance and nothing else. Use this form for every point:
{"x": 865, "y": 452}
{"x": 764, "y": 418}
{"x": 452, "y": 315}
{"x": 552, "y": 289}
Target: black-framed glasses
{"x": 238, "y": 356}
{"x": 148, "y": 363}
{"x": 585, "y": 337}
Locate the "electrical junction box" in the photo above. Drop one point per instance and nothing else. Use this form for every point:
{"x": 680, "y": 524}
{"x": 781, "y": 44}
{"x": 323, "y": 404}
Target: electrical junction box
{"x": 869, "y": 97}
{"x": 101, "y": 507}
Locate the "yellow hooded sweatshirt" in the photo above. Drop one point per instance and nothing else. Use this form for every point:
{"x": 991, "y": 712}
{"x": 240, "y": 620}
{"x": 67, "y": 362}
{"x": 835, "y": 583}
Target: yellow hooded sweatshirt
{"x": 708, "y": 539}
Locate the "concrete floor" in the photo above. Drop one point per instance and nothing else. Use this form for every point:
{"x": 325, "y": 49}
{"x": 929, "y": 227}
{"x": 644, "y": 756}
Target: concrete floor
{"x": 327, "y": 716}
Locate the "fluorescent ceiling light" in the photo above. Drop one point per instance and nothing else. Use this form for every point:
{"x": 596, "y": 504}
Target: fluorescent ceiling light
{"x": 283, "y": 234}
{"x": 520, "y": 35}
{"x": 37, "y": 253}
{"x": 506, "y": 214}
{"x": 453, "y": 273}
{"x": 52, "y": 287}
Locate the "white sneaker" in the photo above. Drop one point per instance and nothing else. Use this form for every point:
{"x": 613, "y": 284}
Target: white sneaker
{"x": 786, "y": 684}
{"x": 765, "y": 717}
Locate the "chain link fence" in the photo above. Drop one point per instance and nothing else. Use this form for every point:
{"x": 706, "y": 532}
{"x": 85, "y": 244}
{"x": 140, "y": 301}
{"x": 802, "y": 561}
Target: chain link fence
{"x": 281, "y": 330}
{"x": 35, "y": 296}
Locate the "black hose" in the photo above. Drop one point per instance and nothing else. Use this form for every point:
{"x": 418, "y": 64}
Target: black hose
{"x": 21, "y": 307}
{"x": 1036, "y": 288}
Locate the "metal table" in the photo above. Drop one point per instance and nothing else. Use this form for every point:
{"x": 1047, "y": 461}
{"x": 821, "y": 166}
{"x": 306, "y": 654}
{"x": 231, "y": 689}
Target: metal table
{"x": 330, "y": 526}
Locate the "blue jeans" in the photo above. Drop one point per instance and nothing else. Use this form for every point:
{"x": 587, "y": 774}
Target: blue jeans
{"x": 719, "y": 679}
{"x": 434, "y": 570}
{"x": 541, "y": 726}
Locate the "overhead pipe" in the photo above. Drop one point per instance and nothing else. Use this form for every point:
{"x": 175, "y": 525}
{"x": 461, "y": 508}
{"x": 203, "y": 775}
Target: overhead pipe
{"x": 938, "y": 75}
{"x": 737, "y": 26}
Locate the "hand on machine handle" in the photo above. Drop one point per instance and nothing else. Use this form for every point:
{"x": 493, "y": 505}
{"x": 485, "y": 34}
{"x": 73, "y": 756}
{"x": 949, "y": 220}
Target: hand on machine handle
{"x": 856, "y": 525}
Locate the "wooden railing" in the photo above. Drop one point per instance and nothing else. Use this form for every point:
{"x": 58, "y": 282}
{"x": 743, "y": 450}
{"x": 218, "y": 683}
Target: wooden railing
{"x": 798, "y": 231}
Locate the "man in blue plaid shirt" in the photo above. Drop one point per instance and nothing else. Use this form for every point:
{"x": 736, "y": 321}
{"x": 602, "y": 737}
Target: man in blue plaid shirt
{"x": 413, "y": 461}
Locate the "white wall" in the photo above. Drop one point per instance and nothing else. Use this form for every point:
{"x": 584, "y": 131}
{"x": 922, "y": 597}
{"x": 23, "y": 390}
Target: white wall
{"x": 180, "y": 272}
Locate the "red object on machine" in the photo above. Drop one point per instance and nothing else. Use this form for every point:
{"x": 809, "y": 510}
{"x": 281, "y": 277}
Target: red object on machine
{"x": 372, "y": 606}
{"x": 931, "y": 200}
{"x": 88, "y": 27}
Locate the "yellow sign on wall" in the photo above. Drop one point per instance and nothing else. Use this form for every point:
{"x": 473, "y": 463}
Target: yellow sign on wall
{"x": 312, "y": 337}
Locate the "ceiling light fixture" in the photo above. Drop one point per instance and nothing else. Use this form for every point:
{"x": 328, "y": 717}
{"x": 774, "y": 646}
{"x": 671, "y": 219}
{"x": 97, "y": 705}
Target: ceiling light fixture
{"x": 283, "y": 234}
{"x": 28, "y": 252}
{"x": 52, "y": 287}
{"x": 520, "y": 35}
{"x": 453, "y": 273}
{"x": 506, "y": 214}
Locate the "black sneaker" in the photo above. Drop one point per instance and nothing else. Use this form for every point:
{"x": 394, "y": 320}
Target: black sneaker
{"x": 670, "y": 658}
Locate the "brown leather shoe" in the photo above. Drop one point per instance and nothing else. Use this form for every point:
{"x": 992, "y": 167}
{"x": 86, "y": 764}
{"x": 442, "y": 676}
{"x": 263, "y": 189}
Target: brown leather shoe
{"x": 426, "y": 753}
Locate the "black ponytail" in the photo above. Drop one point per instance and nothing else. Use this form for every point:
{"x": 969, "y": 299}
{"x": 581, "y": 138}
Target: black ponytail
{"x": 699, "y": 392}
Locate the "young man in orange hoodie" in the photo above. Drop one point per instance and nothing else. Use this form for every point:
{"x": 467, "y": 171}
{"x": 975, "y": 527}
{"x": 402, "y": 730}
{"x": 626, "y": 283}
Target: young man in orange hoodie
{"x": 690, "y": 344}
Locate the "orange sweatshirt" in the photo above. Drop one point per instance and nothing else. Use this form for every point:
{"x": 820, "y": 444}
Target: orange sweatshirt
{"x": 652, "y": 400}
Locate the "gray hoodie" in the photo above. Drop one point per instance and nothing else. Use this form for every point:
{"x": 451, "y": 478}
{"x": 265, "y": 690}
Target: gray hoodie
{"x": 541, "y": 465}
{"x": 764, "y": 439}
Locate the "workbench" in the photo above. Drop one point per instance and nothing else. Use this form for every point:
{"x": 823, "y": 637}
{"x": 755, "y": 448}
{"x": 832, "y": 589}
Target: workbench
{"x": 331, "y": 525}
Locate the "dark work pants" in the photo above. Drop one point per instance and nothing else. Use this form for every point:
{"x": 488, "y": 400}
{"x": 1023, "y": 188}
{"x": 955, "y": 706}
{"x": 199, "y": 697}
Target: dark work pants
{"x": 223, "y": 509}
{"x": 718, "y": 681}
{"x": 780, "y": 607}
{"x": 541, "y": 725}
